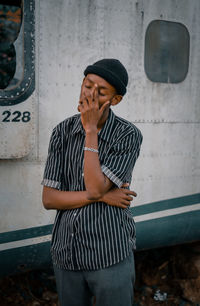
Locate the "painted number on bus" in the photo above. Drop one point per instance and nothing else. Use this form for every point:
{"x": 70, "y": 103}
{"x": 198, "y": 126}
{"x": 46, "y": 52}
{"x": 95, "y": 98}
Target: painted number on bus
{"x": 16, "y": 116}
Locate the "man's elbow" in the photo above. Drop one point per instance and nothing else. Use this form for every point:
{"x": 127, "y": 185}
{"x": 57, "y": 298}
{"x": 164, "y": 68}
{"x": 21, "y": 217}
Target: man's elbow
{"x": 97, "y": 192}
{"x": 46, "y": 204}
{"x": 46, "y": 199}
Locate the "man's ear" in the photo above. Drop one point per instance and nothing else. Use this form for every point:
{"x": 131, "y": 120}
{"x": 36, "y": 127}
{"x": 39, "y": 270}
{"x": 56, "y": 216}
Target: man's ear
{"x": 116, "y": 99}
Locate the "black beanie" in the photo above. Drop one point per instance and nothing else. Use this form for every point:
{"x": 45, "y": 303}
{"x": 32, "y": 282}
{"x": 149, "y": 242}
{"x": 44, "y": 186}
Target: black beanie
{"x": 112, "y": 71}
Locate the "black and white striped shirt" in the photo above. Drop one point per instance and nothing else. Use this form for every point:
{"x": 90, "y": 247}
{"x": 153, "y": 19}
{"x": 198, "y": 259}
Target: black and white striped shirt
{"x": 97, "y": 235}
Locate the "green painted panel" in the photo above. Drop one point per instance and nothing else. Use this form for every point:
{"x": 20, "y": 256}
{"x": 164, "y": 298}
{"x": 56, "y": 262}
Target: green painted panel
{"x": 22, "y": 259}
{"x": 168, "y": 231}
{"x": 26, "y": 233}
{"x": 166, "y": 204}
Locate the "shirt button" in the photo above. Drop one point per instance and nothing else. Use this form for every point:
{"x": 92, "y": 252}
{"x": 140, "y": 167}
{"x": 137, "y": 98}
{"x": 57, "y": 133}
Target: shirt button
{"x": 82, "y": 174}
{"x": 75, "y": 214}
{"x": 72, "y": 234}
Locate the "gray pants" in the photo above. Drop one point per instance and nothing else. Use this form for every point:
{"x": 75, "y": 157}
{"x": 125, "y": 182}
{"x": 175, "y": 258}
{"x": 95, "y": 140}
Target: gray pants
{"x": 112, "y": 286}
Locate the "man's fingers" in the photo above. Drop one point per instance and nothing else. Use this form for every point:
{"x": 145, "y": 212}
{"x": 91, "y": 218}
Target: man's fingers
{"x": 83, "y": 104}
{"x": 125, "y": 202}
{"x": 95, "y": 94}
{"x": 89, "y": 99}
{"x": 80, "y": 106}
{"x": 130, "y": 192}
{"x": 125, "y": 185}
{"x": 122, "y": 205}
{"x": 129, "y": 198}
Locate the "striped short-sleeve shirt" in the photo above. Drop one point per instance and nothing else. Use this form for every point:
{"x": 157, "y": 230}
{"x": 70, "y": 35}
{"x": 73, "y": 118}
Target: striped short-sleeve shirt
{"x": 97, "y": 235}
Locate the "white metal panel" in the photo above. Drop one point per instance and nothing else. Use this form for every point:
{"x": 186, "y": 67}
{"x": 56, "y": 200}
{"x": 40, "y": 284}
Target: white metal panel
{"x": 169, "y": 164}
{"x": 20, "y": 202}
{"x": 18, "y": 138}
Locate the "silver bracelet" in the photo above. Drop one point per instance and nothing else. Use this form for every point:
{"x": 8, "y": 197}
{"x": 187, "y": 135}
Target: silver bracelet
{"x": 91, "y": 149}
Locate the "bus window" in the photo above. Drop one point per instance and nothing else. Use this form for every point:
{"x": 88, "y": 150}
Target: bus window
{"x": 16, "y": 51}
{"x": 166, "y": 56}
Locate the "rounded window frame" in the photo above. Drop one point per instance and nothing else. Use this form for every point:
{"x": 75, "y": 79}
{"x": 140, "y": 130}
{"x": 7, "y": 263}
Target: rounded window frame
{"x": 26, "y": 86}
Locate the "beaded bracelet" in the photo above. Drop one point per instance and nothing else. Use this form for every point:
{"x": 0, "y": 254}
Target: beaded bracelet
{"x": 91, "y": 149}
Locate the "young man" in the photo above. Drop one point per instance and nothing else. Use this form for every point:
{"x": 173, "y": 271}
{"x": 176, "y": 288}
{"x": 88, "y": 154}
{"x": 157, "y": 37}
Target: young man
{"x": 90, "y": 160}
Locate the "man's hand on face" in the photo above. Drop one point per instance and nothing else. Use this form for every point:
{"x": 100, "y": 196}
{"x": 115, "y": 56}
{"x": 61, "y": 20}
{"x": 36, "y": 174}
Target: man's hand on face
{"x": 90, "y": 111}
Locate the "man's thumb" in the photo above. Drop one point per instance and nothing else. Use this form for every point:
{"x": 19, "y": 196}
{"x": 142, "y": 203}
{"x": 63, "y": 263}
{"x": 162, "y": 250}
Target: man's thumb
{"x": 104, "y": 107}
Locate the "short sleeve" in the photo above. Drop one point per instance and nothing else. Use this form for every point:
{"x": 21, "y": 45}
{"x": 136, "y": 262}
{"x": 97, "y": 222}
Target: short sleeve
{"x": 53, "y": 167}
{"x": 119, "y": 163}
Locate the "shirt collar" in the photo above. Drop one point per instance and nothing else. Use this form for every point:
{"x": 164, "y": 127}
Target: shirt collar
{"x": 104, "y": 133}
{"x": 77, "y": 127}
{"x": 107, "y": 129}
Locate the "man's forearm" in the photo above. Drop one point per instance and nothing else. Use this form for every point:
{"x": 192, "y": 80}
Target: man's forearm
{"x": 95, "y": 181}
{"x": 56, "y": 199}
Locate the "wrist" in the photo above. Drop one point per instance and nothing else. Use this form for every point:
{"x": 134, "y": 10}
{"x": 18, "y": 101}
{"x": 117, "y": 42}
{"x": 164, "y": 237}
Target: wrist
{"x": 91, "y": 130}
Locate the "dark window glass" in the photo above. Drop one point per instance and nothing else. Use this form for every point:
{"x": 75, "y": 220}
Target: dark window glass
{"x": 17, "y": 69}
{"x": 10, "y": 24}
{"x": 166, "y": 51}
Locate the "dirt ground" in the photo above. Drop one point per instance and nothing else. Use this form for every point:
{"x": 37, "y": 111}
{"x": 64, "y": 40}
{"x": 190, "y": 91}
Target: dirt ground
{"x": 165, "y": 276}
